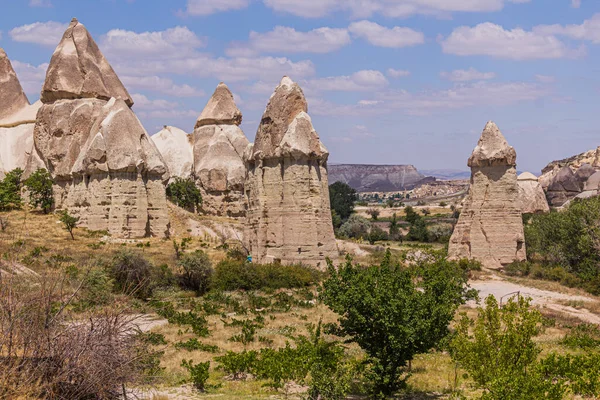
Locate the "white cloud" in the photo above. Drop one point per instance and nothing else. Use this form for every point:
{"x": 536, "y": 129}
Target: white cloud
{"x": 208, "y": 7}
{"x": 397, "y": 73}
{"x": 381, "y": 36}
{"x": 388, "y": 8}
{"x": 159, "y": 108}
{"x": 463, "y": 95}
{"x": 471, "y": 74}
{"x": 360, "y": 81}
{"x": 575, "y": 3}
{"x": 588, "y": 30}
{"x": 288, "y": 40}
{"x": 31, "y": 77}
{"x": 516, "y": 44}
{"x": 40, "y": 3}
{"x": 161, "y": 85}
{"x": 545, "y": 78}
{"x": 45, "y": 33}
{"x": 177, "y": 42}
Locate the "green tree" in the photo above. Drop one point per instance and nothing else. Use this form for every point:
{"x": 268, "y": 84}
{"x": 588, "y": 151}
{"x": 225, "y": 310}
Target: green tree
{"x": 411, "y": 215}
{"x": 336, "y": 219}
{"x": 39, "y": 186}
{"x": 407, "y": 314}
{"x": 69, "y": 222}
{"x": 418, "y": 231}
{"x": 395, "y": 228}
{"x": 499, "y": 353}
{"x": 355, "y": 227}
{"x": 377, "y": 234}
{"x": 10, "y": 191}
{"x": 342, "y": 198}
{"x": 196, "y": 271}
{"x": 185, "y": 194}
{"x": 374, "y": 213}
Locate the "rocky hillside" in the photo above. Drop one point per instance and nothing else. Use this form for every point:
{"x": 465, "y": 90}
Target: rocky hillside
{"x": 377, "y": 178}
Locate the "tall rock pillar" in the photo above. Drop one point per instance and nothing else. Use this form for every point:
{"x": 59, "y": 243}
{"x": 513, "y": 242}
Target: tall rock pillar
{"x": 289, "y": 215}
{"x": 490, "y": 226}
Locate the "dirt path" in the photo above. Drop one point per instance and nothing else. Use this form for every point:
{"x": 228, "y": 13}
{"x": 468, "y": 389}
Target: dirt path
{"x": 543, "y": 298}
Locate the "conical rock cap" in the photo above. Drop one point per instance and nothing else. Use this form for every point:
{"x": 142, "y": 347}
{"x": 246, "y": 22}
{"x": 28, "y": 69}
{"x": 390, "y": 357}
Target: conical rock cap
{"x": 12, "y": 98}
{"x": 492, "y": 149}
{"x": 78, "y": 70}
{"x": 220, "y": 109}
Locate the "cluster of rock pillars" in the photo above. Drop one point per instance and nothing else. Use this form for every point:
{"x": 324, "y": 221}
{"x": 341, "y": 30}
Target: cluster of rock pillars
{"x": 109, "y": 172}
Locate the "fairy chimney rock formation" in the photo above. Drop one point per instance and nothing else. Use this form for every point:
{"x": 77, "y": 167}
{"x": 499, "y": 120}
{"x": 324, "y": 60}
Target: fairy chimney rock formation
{"x": 289, "y": 216}
{"x": 175, "y": 147}
{"x": 532, "y": 198}
{"x": 17, "y": 119}
{"x": 218, "y": 149}
{"x": 105, "y": 167}
{"x": 78, "y": 70}
{"x": 490, "y": 226}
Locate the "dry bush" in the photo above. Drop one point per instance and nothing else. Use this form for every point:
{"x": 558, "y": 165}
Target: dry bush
{"x": 46, "y": 353}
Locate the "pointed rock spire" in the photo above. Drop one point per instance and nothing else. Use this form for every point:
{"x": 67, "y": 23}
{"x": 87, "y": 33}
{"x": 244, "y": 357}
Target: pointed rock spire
{"x": 78, "y": 69}
{"x": 285, "y": 104}
{"x": 12, "y": 98}
{"x": 492, "y": 149}
{"x": 220, "y": 109}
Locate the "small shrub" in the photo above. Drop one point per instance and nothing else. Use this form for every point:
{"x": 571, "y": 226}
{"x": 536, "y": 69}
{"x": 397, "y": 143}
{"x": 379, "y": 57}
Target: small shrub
{"x": 39, "y": 186}
{"x": 198, "y": 373}
{"x": 374, "y": 213}
{"x": 583, "y": 336}
{"x": 196, "y": 271}
{"x": 185, "y": 194}
{"x": 180, "y": 247}
{"x": 377, "y": 234}
{"x": 233, "y": 275}
{"x": 132, "y": 274}
{"x": 238, "y": 364}
{"x": 356, "y": 227}
{"x": 69, "y": 222}
{"x": 10, "y": 191}
{"x": 96, "y": 289}
{"x": 195, "y": 345}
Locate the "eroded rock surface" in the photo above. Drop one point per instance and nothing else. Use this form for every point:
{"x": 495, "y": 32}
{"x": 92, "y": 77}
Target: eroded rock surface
{"x": 105, "y": 167}
{"x": 176, "y": 149}
{"x": 78, "y": 70}
{"x": 490, "y": 226}
{"x": 532, "y": 198}
{"x": 17, "y": 120}
{"x": 289, "y": 216}
{"x": 218, "y": 150}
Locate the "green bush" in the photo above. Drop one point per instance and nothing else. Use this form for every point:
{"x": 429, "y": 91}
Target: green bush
{"x": 418, "y": 231}
{"x": 196, "y": 271}
{"x": 356, "y": 227}
{"x": 568, "y": 240}
{"x": 377, "y": 234}
{"x": 198, "y": 373}
{"x": 233, "y": 275}
{"x": 39, "y": 186}
{"x": 96, "y": 289}
{"x": 583, "y": 336}
{"x": 238, "y": 364}
{"x": 195, "y": 345}
{"x": 185, "y": 194}
{"x": 342, "y": 198}
{"x": 69, "y": 222}
{"x": 499, "y": 353}
{"x": 580, "y": 373}
{"x": 408, "y": 314}
{"x": 10, "y": 191}
{"x": 132, "y": 274}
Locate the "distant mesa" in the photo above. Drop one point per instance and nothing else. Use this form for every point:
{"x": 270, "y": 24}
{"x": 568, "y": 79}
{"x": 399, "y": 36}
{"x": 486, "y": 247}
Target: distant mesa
{"x": 377, "y": 178}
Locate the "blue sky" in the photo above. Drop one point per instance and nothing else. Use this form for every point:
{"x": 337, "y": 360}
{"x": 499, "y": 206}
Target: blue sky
{"x": 388, "y": 81}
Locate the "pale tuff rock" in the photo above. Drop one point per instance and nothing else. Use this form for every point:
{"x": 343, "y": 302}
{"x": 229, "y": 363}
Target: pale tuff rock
{"x": 490, "y": 227}
{"x": 13, "y": 99}
{"x": 175, "y": 147}
{"x": 220, "y": 110}
{"x": 106, "y": 169}
{"x": 289, "y": 216}
{"x": 532, "y": 198}
{"x": 17, "y": 119}
{"x": 78, "y": 70}
{"x": 218, "y": 148}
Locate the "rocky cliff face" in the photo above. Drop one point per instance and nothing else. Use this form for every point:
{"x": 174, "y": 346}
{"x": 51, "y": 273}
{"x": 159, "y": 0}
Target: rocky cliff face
{"x": 376, "y": 178}
{"x": 490, "y": 227}
{"x": 17, "y": 120}
{"x": 105, "y": 167}
{"x": 176, "y": 148}
{"x": 289, "y": 216}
